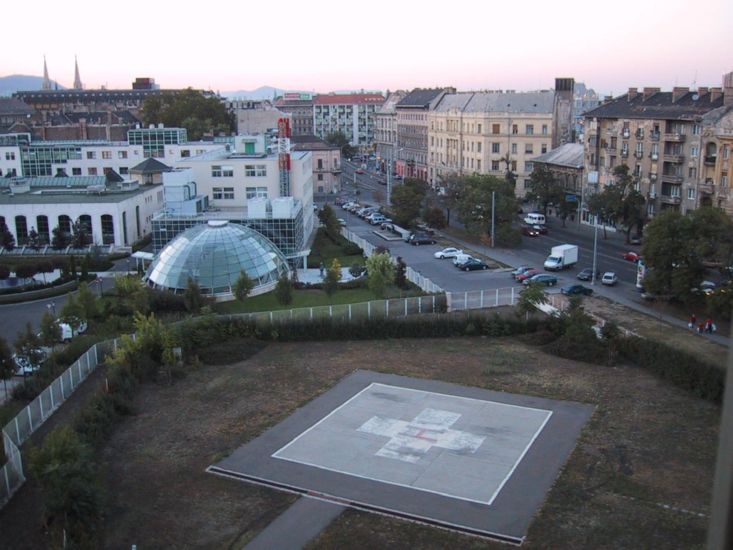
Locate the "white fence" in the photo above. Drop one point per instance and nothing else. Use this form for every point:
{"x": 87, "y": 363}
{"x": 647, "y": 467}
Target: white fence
{"x": 411, "y": 274}
{"x": 20, "y": 428}
{"x": 481, "y": 299}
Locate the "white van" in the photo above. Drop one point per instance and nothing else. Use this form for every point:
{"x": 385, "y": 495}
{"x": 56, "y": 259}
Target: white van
{"x": 534, "y": 218}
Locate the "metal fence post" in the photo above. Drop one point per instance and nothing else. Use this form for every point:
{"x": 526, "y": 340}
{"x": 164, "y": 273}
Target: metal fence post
{"x": 291, "y": 314}
{"x": 419, "y": 304}
{"x": 330, "y": 311}
{"x": 465, "y": 300}
{"x": 271, "y": 317}
{"x": 61, "y": 379}
{"x": 433, "y": 303}
{"x": 349, "y": 312}
{"x": 30, "y": 418}
{"x": 405, "y": 299}
{"x": 71, "y": 375}
{"x": 311, "y": 314}
{"x": 497, "y": 297}
{"x": 40, "y": 407}
{"x": 369, "y": 310}
{"x": 386, "y": 309}
{"x": 52, "y": 401}
{"x": 512, "y": 303}
{"x": 482, "y": 299}
{"x": 17, "y": 430}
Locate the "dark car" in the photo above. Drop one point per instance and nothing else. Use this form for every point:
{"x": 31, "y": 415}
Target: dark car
{"x": 417, "y": 239}
{"x": 472, "y": 265}
{"x": 530, "y": 231}
{"x": 635, "y": 240}
{"x": 541, "y": 228}
{"x": 587, "y": 274}
{"x": 541, "y": 278}
{"x": 571, "y": 290}
{"x": 521, "y": 269}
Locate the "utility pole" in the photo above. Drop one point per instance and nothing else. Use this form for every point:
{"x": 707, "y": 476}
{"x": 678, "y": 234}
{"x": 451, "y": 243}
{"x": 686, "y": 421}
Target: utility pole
{"x": 595, "y": 249}
{"x": 389, "y": 183}
{"x": 493, "y": 217}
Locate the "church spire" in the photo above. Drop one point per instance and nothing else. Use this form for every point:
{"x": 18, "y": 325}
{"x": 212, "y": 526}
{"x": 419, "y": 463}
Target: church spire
{"x": 46, "y": 80}
{"x": 77, "y": 78}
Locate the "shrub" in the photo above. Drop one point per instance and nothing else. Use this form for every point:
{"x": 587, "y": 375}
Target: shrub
{"x": 284, "y": 290}
{"x": 352, "y": 249}
{"x": 356, "y": 270}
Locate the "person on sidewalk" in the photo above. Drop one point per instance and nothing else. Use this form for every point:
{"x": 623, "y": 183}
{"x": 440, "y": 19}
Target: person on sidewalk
{"x": 701, "y": 327}
{"x": 709, "y": 325}
{"x": 693, "y": 322}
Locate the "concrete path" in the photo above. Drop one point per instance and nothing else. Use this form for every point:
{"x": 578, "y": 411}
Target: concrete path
{"x": 297, "y": 526}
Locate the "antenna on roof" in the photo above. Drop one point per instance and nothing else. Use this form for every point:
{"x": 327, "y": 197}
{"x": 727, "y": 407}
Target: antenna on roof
{"x": 694, "y": 81}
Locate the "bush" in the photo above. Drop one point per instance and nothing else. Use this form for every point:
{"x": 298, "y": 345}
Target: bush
{"x": 142, "y": 243}
{"x": 284, "y": 290}
{"x": 352, "y": 249}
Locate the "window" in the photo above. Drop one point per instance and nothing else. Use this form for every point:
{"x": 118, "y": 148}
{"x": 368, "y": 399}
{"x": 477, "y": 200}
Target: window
{"x": 514, "y": 166}
{"x": 495, "y": 165}
{"x": 320, "y": 177}
{"x": 478, "y": 147}
{"x": 496, "y": 128}
{"x": 107, "y": 155}
{"x": 185, "y": 153}
{"x": 215, "y": 172}
{"x": 10, "y": 156}
{"x": 692, "y": 173}
{"x": 726, "y": 152}
{"x": 496, "y": 147}
{"x": 121, "y": 154}
{"x": 528, "y": 167}
{"x": 724, "y": 180}
{"x": 124, "y": 170}
{"x": 91, "y": 155}
{"x": 255, "y": 170}
{"x": 227, "y": 171}
{"x": 76, "y": 171}
{"x": 258, "y": 192}
{"x": 92, "y": 171}
{"x": 691, "y": 194}
{"x": 695, "y": 130}
{"x": 694, "y": 151}
{"x": 529, "y": 129}
{"x": 478, "y": 129}
{"x": 320, "y": 164}
{"x": 226, "y": 193}
{"x": 544, "y": 148}
{"x": 514, "y": 148}
{"x": 515, "y": 129}
{"x": 478, "y": 165}
{"x": 528, "y": 149}
{"x": 544, "y": 129}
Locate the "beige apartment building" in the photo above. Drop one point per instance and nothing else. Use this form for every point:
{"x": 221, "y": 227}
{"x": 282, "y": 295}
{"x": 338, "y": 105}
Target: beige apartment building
{"x": 488, "y": 132}
{"x": 385, "y": 129}
{"x": 673, "y": 142}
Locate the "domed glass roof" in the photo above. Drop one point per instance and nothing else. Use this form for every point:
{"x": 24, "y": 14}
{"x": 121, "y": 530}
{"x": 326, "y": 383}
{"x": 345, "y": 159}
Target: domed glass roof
{"x": 213, "y": 255}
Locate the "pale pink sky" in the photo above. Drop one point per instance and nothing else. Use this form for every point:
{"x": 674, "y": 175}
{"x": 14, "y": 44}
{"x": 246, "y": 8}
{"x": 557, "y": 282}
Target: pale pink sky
{"x": 375, "y": 44}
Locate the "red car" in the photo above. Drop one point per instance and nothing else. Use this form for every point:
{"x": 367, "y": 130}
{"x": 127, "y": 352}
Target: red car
{"x": 360, "y": 171}
{"x": 631, "y": 257}
{"x": 527, "y": 274}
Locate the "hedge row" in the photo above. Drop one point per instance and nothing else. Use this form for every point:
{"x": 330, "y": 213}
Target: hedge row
{"x": 681, "y": 368}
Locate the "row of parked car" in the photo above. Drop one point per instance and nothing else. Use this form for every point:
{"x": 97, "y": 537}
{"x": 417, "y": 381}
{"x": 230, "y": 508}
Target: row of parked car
{"x": 368, "y": 213}
{"x": 463, "y": 261}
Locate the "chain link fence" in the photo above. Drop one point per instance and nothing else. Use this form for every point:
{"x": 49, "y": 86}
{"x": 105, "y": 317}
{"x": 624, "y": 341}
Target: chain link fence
{"x": 481, "y": 299}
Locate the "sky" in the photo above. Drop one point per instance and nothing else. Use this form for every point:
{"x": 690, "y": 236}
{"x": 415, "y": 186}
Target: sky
{"x": 324, "y": 45}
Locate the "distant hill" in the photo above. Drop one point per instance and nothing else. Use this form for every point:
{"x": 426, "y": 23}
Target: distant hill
{"x": 263, "y": 92}
{"x": 19, "y": 82}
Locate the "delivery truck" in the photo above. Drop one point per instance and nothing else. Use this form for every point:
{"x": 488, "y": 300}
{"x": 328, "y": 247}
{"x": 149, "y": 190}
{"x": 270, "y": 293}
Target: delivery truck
{"x": 562, "y": 257}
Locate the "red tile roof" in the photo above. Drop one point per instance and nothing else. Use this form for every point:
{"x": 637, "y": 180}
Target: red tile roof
{"x": 349, "y": 99}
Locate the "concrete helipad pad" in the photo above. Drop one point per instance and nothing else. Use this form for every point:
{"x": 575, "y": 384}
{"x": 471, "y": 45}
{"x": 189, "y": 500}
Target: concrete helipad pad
{"x": 459, "y": 457}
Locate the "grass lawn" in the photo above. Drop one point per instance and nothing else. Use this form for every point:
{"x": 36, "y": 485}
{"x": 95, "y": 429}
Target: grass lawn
{"x": 309, "y": 298}
{"x": 325, "y": 250}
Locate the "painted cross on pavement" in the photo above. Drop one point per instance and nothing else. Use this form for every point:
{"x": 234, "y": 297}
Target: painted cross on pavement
{"x": 410, "y": 441}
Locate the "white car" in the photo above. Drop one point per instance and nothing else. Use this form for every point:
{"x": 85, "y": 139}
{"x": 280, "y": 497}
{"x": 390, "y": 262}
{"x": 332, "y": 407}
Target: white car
{"x": 449, "y": 252}
{"x": 609, "y": 278}
{"x": 462, "y": 259}
{"x": 341, "y": 221}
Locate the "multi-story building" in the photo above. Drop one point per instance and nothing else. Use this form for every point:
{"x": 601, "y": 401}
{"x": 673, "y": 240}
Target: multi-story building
{"x": 566, "y": 165}
{"x": 659, "y": 135}
{"x": 326, "y": 163}
{"x": 350, "y": 114}
{"x": 385, "y": 129}
{"x": 255, "y": 117}
{"x": 716, "y": 170}
{"x": 412, "y": 111}
{"x": 21, "y": 155}
{"x": 493, "y": 132}
{"x": 300, "y": 107}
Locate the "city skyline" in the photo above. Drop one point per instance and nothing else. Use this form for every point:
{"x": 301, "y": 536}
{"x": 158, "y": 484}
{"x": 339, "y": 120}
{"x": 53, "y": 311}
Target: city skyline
{"x": 302, "y": 47}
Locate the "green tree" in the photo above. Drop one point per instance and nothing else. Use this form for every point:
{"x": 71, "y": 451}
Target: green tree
{"x": 284, "y": 290}
{"x": 330, "y": 222}
{"x": 59, "y": 239}
{"x": 65, "y": 471}
{"x": 474, "y": 206}
{"x": 380, "y": 273}
{"x": 88, "y": 302}
{"x": 332, "y": 278}
{"x": 566, "y": 208}
{"x": 7, "y": 241}
{"x": 7, "y": 365}
{"x": 340, "y": 140}
{"x": 406, "y": 204}
{"x": 243, "y": 286}
{"x": 72, "y": 265}
{"x": 84, "y": 268}
{"x": 190, "y": 109}
{"x": 400, "y": 274}
{"x": 619, "y": 203}
{"x": 192, "y": 297}
{"x": 34, "y": 240}
{"x": 544, "y": 188}
{"x": 532, "y": 296}
{"x": 50, "y": 330}
{"x": 434, "y": 217}
{"x": 72, "y": 313}
{"x": 80, "y": 235}
{"x": 29, "y": 345}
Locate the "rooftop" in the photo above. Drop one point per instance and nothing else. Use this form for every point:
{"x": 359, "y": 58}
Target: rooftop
{"x": 653, "y": 104}
{"x": 570, "y": 155}
{"x": 90, "y": 190}
{"x": 420, "y": 97}
{"x": 311, "y": 143}
{"x": 349, "y": 99}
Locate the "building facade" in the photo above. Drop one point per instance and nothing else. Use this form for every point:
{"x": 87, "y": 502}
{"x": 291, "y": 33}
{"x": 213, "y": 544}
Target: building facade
{"x": 385, "y": 130}
{"x": 300, "y": 107}
{"x": 566, "y": 165}
{"x": 350, "y": 114}
{"x": 326, "y": 163}
{"x": 659, "y": 135}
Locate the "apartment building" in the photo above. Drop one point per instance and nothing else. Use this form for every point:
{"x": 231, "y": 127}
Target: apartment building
{"x": 492, "y": 132}
{"x": 326, "y": 163}
{"x": 670, "y": 141}
{"x": 385, "y": 129}
{"x": 350, "y": 114}
{"x": 300, "y": 107}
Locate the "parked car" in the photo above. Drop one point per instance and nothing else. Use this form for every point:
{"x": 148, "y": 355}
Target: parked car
{"x": 609, "y": 278}
{"x": 706, "y": 287}
{"x": 521, "y": 269}
{"x": 449, "y": 252}
{"x": 571, "y": 290}
{"x": 417, "y": 239}
{"x": 631, "y": 256}
{"x": 379, "y": 219}
{"x": 360, "y": 171}
{"x": 529, "y": 231}
{"x": 587, "y": 274}
{"x": 472, "y": 265}
{"x": 542, "y": 278}
{"x": 341, "y": 221}
{"x": 425, "y": 229}
{"x": 531, "y": 272}
{"x": 635, "y": 240}
{"x": 461, "y": 258}
{"x": 24, "y": 366}
{"x": 67, "y": 332}
{"x": 541, "y": 228}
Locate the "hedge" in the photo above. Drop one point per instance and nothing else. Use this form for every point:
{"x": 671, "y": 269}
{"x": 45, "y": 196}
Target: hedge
{"x": 683, "y": 369}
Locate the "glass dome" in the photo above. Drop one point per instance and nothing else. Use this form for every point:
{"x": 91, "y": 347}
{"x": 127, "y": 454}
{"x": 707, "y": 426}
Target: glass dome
{"x": 213, "y": 254}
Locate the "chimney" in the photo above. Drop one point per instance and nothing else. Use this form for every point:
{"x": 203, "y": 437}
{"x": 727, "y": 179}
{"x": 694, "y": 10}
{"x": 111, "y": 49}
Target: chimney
{"x": 728, "y": 89}
{"x": 649, "y": 92}
{"x": 678, "y": 92}
{"x": 607, "y": 99}
{"x": 715, "y": 93}
{"x": 83, "y": 128}
{"x": 701, "y": 91}
{"x": 632, "y": 94}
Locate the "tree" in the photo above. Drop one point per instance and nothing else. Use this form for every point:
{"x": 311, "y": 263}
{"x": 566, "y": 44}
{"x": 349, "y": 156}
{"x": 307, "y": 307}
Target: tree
{"x": 474, "y": 206}
{"x": 7, "y": 241}
{"x": 333, "y": 276}
{"x": 406, "y": 204}
{"x": 80, "y": 236}
{"x": 400, "y": 274}
{"x": 566, "y": 208}
{"x": 28, "y": 345}
{"x": 72, "y": 266}
{"x": 544, "y": 187}
{"x": 532, "y": 296}
{"x": 284, "y": 290}
{"x": 434, "y": 217}
{"x": 243, "y": 286}
{"x": 340, "y": 140}
{"x": 619, "y": 203}
{"x": 4, "y": 272}
{"x": 380, "y": 273}
{"x": 50, "y": 330}
{"x": 72, "y": 313}
{"x": 84, "y": 267}
{"x": 7, "y": 365}
{"x": 189, "y": 109}
{"x": 328, "y": 218}
{"x": 60, "y": 239}
{"x": 26, "y": 270}
{"x": 34, "y": 240}
{"x": 192, "y": 297}
{"x": 87, "y": 301}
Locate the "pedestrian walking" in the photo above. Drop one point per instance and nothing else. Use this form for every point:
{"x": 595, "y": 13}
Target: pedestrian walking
{"x": 701, "y": 327}
{"x": 693, "y": 322}
{"x": 321, "y": 268}
{"x": 709, "y": 325}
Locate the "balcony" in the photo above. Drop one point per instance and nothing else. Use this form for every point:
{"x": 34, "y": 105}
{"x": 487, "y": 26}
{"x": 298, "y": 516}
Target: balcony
{"x": 639, "y": 154}
{"x": 673, "y": 178}
{"x": 707, "y": 187}
{"x": 652, "y": 176}
{"x": 654, "y": 156}
{"x": 668, "y": 199}
{"x": 674, "y": 137}
{"x": 654, "y": 136}
{"x": 709, "y": 160}
{"x": 624, "y": 153}
{"x": 625, "y": 133}
{"x": 675, "y": 158}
